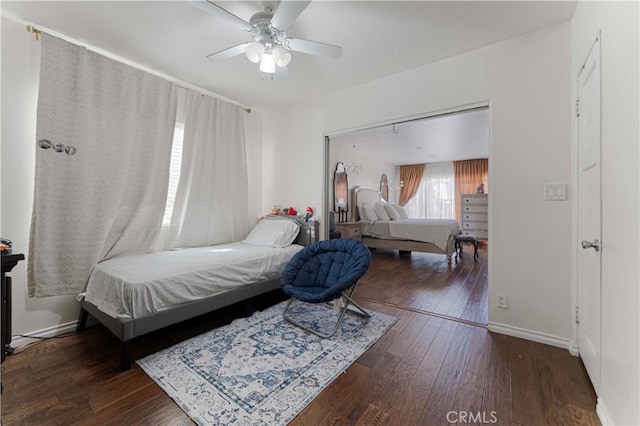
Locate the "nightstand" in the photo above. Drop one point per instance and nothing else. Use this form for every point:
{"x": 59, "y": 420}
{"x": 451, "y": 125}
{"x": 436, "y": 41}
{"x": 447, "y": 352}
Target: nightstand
{"x": 349, "y": 230}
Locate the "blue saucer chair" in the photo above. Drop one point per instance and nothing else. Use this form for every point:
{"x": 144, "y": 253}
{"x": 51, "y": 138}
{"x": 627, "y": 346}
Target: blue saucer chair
{"x": 325, "y": 271}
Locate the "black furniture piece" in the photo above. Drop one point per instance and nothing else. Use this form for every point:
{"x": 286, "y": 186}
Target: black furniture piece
{"x": 460, "y": 239}
{"x": 8, "y": 263}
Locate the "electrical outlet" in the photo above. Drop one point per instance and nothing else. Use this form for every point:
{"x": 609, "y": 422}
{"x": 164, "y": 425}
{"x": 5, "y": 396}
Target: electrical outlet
{"x": 502, "y": 301}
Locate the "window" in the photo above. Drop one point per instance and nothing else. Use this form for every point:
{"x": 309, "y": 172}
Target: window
{"x": 435, "y": 197}
{"x": 174, "y": 172}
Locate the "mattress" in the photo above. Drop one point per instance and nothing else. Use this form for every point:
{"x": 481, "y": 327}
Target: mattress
{"x": 135, "y": 286}
{"x": 435, "y": 231}
{"x": 378, "y": 229}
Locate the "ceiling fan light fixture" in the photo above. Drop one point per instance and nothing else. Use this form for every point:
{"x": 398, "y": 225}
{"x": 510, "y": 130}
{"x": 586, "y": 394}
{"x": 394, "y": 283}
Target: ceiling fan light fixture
{"x": 281, "y": 56}
{"x": 267, "y": 64}
{"x": 270, "y": 45}
{"x": 254, "y": 51}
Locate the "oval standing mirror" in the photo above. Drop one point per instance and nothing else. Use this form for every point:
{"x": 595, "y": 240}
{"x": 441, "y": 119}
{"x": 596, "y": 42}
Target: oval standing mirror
{"x": 340, "y": 191}
{"x": 384, "y": 187}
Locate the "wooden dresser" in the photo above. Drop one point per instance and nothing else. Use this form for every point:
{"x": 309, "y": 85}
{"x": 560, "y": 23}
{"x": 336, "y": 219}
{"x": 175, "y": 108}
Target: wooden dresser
{"x": 474, "y": 215}
{"x": 349, "y": 230}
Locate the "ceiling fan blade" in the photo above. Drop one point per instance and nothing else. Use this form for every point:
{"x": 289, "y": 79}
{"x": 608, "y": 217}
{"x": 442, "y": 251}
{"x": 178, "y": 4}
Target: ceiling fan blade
{"x": 287, "y": 12}
{"x": 313, "y": 47}
{"x": 228, "y": 53}
{"x": 214, "y": 9}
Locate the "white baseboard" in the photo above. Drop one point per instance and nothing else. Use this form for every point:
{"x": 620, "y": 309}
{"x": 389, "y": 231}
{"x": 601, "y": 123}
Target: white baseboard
{"x": 573, "y": 349}
{"x": 535, "y": 336}
{"x": 601, "y": 411}
{"x": 54, "y": 331}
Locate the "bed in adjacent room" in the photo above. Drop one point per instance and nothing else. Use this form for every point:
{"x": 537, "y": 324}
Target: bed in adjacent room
{"x": 134, "y": 295}
{"x": 386, "y": 227}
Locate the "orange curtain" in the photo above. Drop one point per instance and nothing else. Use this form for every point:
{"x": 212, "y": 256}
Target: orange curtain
{"x": 411, "y": 177}
{"x": 468, "y": 175}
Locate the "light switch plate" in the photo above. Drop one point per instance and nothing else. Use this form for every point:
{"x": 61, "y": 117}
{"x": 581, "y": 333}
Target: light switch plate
{"x": 555, "y": 191}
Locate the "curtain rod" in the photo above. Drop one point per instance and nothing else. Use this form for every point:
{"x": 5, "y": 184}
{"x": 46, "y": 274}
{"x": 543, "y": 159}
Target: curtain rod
{"x": 36, "y": 32}
{"x": 246, "y": 109}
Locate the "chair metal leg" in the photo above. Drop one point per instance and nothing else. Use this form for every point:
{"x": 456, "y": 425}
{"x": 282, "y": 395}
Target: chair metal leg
{"x": 353, "y": 302}
{"x": 343, "y": 311}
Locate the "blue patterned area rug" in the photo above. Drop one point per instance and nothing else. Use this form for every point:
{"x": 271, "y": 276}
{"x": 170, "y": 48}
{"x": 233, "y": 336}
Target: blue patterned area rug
{"x": 261, "y": 370}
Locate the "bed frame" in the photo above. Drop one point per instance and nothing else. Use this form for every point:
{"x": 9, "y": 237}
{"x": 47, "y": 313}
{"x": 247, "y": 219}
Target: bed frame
{"x": 127, "y": 329}
{"x": 365, "y": 195}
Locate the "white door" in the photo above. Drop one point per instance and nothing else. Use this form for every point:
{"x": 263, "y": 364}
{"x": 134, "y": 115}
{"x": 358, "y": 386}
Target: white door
{"x": 589, "y": 214}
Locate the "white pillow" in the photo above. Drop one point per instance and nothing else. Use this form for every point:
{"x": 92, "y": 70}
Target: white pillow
{"x": 401, "y": 211}
{"x": 273, "y": 233}
{"x": 370, "y": 213}
{"x": 381, "y": 212}
{"x": 391, "y": 211}
{"x": 362, "y": 213}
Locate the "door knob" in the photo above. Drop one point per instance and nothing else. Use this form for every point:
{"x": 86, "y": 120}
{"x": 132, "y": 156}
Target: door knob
{"x": 589, "y": 244}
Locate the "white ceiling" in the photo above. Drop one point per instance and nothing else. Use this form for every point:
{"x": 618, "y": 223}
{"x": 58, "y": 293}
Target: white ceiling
{"x": 379, "y": 38}
{"x": 457, "y": 136}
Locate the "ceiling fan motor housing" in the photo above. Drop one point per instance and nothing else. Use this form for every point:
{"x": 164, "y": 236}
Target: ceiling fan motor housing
{"x": 264, "y": 31}
{"x": 261, "y": 18}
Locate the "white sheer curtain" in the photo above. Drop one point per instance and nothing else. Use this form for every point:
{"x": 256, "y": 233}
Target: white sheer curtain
{"x": 212, "y": 199}
{"x": 107, "y": 199}
{"x": 435, "y": 197}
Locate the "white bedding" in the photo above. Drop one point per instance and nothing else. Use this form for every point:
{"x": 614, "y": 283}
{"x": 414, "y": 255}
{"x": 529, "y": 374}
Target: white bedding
{"x": 134, "y": 286}
{"x": 378, "y": 229}
{"x": 435, "y": 231}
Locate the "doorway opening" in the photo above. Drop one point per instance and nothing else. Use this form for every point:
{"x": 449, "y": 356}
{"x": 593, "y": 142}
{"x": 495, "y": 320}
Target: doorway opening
{"x": 373, "y": 156}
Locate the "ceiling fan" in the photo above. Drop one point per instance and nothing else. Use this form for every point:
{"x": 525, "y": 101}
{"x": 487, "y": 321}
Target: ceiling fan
{"x": 271, "y": 44}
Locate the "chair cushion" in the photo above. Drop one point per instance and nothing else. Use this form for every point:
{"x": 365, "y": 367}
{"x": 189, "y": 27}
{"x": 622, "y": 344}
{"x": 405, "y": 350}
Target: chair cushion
{"x": 322, "y": 271}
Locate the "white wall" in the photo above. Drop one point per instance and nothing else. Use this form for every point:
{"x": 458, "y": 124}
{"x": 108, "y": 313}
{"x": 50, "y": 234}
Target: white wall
{"x": 292, "y": 168}
{"x": 619, "y": 397}
{"x": 527, "y": 82}
{"x": 20, "y": 73}
{"x": 371, "y": 167}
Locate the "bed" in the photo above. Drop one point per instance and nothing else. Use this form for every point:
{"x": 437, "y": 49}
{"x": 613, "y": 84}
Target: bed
{"x": 135, "y": 295}
{"x": 406, "y": 235}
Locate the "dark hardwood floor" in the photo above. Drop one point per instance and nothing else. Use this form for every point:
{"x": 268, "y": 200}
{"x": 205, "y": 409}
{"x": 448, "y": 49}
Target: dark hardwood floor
{"x": 427, "y": 284}
{"x": 426, "y": 370}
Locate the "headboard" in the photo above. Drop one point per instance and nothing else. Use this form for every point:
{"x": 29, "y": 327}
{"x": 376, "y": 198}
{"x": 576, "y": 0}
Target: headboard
{"x": 363, "y": 195}
{"x": 309, "y": 231}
